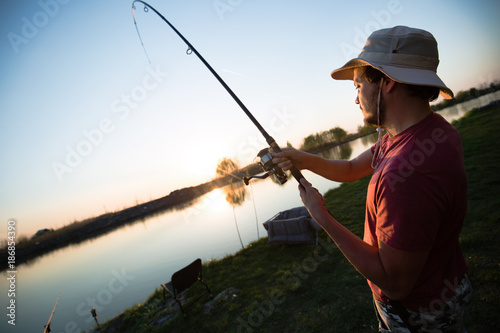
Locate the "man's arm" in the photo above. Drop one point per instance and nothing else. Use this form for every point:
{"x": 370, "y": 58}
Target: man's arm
{"x": 336, "y": 170}
{"x": 393, "y": 271}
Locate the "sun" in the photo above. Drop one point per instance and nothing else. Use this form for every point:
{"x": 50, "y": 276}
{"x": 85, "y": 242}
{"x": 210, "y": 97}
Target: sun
{"x": 216, "y": 200}
{"x": 202, "y": 161}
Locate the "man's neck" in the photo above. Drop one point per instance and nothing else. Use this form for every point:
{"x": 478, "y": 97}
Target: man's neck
{"x": 404, "y": 115}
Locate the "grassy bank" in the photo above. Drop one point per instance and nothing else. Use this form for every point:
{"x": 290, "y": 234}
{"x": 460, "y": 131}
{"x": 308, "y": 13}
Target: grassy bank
{"x": 314, "y": 289}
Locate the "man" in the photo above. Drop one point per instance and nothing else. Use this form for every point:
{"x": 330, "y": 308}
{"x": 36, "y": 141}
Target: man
{"x": 416, "y": 199}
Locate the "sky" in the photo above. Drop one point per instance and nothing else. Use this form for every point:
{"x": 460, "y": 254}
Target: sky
{"x": 91, "y": 124}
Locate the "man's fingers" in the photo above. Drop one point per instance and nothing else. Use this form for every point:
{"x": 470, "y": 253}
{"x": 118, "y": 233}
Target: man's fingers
{"x": 282, "y": 161}
{"x": 305, "y": 183}
{"x": 304, "y": 187}
{"x": 279, "y": 157}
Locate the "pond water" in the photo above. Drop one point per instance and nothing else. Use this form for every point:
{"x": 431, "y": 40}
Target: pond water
{"x": 122, "y": 268}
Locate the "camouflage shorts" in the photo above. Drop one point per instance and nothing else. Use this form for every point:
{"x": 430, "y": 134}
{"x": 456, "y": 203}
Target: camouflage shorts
{"x": 441, "y": 317}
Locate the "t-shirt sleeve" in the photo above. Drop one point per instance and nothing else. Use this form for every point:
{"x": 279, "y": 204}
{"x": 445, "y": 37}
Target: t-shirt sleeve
{"x": 409, "y": 211}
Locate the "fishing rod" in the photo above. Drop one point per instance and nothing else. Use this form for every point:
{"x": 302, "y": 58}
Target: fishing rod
{"x": 265, "y": 154}
{"x": 47, "y": 328}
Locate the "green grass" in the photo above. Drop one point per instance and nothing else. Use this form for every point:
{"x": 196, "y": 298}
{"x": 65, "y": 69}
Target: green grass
{"x": 314, "y": 289}
{"x": 481, "y": 233}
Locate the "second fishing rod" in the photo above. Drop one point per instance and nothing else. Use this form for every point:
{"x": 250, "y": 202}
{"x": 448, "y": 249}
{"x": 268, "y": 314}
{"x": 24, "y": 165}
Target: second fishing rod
{"x": 265, "y": 154}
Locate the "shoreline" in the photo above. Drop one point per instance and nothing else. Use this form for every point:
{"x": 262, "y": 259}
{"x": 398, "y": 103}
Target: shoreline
{"x": 95, "y": 227}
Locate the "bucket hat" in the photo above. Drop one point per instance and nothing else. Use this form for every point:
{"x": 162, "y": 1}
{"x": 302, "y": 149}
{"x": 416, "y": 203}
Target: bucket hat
{"x": 404, "y": 54}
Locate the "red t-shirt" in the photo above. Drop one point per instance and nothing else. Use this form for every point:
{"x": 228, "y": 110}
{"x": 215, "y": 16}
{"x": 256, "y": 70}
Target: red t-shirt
{"x": 416, "y": 201}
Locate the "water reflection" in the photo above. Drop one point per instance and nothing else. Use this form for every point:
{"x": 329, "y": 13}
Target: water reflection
{"x": 341, "y": 152}
{"x": 235, "y": 193}
{"x": 458, "y": 110}
{"x": 369, "y": 139}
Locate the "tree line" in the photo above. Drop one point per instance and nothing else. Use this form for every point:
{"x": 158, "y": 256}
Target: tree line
{"x": 333, "y": 136}
{"x": 466, "y": 95}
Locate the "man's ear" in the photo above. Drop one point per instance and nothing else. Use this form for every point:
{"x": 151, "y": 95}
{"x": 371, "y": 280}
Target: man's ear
{"x": 389, "y": 85}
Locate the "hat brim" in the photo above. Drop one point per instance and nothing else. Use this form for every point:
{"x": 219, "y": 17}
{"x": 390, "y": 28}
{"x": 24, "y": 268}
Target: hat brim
{"x": 420, "y": 77}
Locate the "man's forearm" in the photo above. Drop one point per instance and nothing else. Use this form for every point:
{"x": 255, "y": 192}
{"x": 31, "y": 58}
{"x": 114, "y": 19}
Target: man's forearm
{"x": 393, "y": 271}
{"x": 341, "y": 170}
{"x": 335, "y": 170}
{"x": 364, "y": 257}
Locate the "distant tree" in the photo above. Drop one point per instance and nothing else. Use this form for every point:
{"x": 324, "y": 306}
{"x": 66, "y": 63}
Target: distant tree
{"x": 466, "y": 95}
{"x": 312, "y": 141}
{"x": 461, "y": 96}
{"x": 365, "y": 129}
{"x": 235, "y": 192}
{"x": 225, "y": 167}
{"x": 337, "y": 134}
{"x": 343, "y": 152}
{"x": 473, "y": 92}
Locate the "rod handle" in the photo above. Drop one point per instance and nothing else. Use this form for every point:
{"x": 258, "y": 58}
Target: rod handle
{"x": 297, "y": 174}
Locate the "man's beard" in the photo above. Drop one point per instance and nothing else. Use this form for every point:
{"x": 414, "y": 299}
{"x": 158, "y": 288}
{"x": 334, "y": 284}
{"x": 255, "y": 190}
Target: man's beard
{"x": 372, "y": 119}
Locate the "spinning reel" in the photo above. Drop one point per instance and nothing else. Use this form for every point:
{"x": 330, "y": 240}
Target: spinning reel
{"x": 266, "y": 162}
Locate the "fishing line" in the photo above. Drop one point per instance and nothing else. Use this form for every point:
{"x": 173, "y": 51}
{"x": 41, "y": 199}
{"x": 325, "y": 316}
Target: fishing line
{"x": 274, "y": 147}
{"x": 138, "y": 33}
{"x": 380, "y": 129}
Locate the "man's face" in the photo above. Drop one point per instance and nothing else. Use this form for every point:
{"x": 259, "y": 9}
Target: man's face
{"x": 367, "y": 95}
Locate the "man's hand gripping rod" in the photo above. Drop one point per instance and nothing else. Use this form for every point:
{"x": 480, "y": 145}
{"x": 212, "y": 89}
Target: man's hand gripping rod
{"x": 191, "y": 49}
